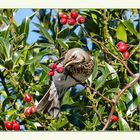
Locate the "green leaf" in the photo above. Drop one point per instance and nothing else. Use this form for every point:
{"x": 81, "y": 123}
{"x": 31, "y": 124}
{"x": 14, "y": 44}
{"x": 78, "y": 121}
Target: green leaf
{"x": 74, "y": 44}
{"x": 3, "y": 93}
{"x": 11, "y": 112}
{"x": 44, "y": 76}
{"x": 121, "y": 32}
{"x": 2, "y": 63}
{"x": 113, "y": 90}
{"x": 63, "y": 33}
{"x": 46, "y": 69}
{"x": 36, "y": 58}
{"x": 92, "y": 26}
{"x": 67, "y": 99}
{"x": 102, "y": 79}
{"x": 130, "y": 27}
{"x": 62, "y": 44}
{"x": 76, "y": 119}
{"x": 123, "y": 125}
{"x": 121, "y": 105}
{"x": 45, "y": 33}
{"x": 4, "y": 47}
{"x": 138, "y": 36}
{"x": 111, "y": 70}
{"x": 5, "y": 33}
{"x": 24, "y": 27}
{"x": 95, "y": 121}
{"x": 62, "y": 121}
{"x": 131, "y": 105}
{"x": 30, "y": 125}
{"x": 9, "y": 64}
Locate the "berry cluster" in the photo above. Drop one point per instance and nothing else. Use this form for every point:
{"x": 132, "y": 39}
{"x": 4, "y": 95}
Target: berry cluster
{"x": 71, "y": 19}
{"x": 122, "y": 47}
{"x": 54, "y": 68}
{"x": 14, "y": 125}
{"x": 30, "y": 110}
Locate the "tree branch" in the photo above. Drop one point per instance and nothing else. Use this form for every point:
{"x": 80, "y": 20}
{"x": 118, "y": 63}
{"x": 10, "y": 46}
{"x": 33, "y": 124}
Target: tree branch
{"x": 117, "y": 99}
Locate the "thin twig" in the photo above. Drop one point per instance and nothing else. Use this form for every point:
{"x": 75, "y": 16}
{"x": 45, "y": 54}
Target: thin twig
{"x": 117, "y": 99}
{"x": 97, "y": 92}
{"x": 99, "y": 116}
{"x": 94, "y": 108}
{"x": 43, "y": 126}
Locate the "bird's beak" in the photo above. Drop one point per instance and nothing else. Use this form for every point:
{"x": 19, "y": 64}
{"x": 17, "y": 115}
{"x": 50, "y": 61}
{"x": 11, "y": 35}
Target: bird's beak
{"x": 68, "y": 63}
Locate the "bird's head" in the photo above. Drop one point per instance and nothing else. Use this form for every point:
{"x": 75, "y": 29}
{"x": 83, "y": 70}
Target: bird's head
{"x": 75, "y": 56}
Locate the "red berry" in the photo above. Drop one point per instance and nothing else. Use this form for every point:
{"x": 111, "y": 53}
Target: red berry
{"x": 74, "y": 14}
{"x": 120, "y": 44}
{"x": 28, "y": 98}
{"x": 51, "y": 73}
{"x": 126, "y": 55}
{"x": 63, "y": 21}
{"x": 33, "y": 109}
{"x": 81, "y": 19}
{"x": 60, "y": 69}
{"x": 64, "y": 15}
{"x": 114, "y": 118}
{"x": 123, "y": 48}
{"x": 8, "y": 125}
{"x": 53, "y": 66}
{"x": 16, "y": 125}
{"x": 14, "y": 122}
{"x": 71, "y": 21}
{"x": 27, "y": 111}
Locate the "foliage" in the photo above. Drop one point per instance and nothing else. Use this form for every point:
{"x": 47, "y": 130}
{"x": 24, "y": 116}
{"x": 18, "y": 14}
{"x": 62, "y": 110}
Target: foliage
{"x": 24, "y": 67}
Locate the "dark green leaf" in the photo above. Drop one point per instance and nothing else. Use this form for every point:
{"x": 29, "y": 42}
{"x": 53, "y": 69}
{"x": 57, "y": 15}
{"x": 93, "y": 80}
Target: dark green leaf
{"x": 63, "y": 33}
{"x": 24, "y": 27}
{"x": 67, "y": 99}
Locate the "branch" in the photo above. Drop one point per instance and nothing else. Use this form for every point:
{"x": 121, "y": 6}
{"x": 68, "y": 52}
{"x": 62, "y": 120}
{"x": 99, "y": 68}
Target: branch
{"x": 117, "y": 99}
{"x": 94, "y": 108}
{"x": 97, "y": 92}
{"x": 43, "y": 126}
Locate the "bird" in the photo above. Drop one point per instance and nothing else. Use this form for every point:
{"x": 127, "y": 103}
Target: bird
{"x": 78, "y": 66}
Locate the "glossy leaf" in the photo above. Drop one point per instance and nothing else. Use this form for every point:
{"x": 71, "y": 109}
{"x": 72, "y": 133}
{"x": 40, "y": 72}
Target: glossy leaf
{"x": 130, "y": 27}
{"x": 121, "y": 33}
{"x": 123, "y": 125}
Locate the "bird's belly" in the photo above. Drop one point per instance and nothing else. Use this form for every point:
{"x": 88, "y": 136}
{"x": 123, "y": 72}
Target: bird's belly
{"x": 75, "y": 75}
{"x": 61, "y": 80}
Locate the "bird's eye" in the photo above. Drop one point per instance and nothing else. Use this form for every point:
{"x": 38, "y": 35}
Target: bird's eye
{"x": 73, "y": 57}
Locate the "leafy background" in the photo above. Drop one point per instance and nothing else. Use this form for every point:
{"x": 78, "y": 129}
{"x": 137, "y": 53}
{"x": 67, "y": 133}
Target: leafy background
{"x": 24, "y": 67}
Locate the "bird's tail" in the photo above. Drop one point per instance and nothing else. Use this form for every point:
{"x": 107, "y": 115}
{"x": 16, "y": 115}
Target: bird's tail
{"x": 50, "y": 103}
